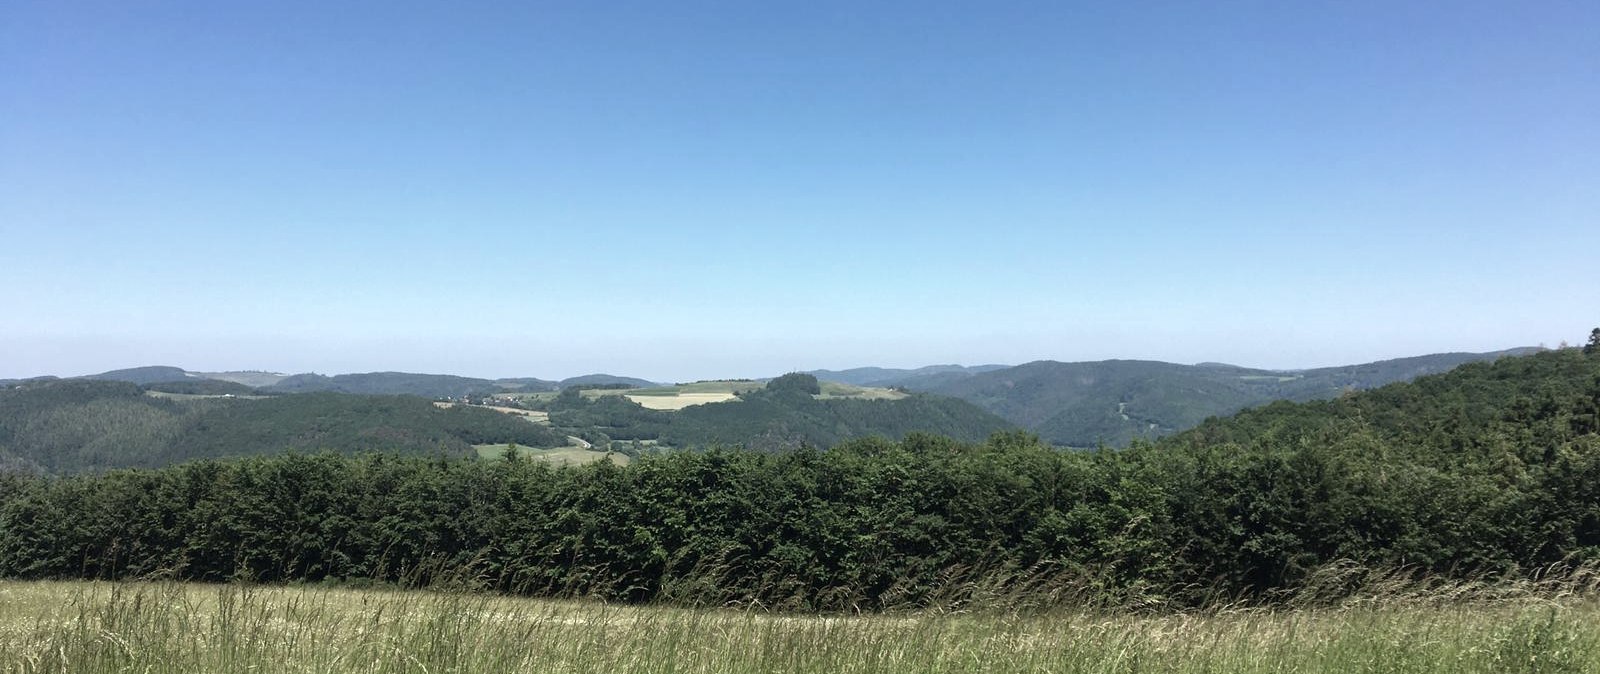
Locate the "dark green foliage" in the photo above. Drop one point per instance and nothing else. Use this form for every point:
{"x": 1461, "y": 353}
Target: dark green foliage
{"x": 74, "y": 424}
{"x": 1593, "y": 346}
{"x": 797, "y": 382}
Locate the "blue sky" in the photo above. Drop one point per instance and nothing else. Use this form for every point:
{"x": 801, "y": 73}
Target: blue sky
{"x": 695, "y": 189}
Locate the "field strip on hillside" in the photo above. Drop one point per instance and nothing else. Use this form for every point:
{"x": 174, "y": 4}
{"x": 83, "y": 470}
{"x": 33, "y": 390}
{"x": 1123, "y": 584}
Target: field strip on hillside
{"x": 681, "y": 400}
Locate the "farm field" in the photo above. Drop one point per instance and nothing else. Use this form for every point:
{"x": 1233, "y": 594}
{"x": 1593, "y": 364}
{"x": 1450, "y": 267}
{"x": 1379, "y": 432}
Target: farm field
{"x": 97, "y": 628}
{"x": 680, "y": 400}
{"x": 560, "y": 455}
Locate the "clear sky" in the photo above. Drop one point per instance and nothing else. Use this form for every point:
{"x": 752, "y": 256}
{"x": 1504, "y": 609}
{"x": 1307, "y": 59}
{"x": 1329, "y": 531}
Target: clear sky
{"x": 685, "y": 190}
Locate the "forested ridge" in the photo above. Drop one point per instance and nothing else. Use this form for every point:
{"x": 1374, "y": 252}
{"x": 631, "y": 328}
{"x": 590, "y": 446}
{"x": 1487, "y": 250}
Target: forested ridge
{"x": 73, "y": 425}
{"x": 1491, "y": 469}
{"x": 1114, "y": 402}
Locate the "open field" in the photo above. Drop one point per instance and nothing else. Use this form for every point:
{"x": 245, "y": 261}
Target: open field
{"x": 563, "y": 455}
{"x": 95, "y": 628}
{"x": 681, "y": 400}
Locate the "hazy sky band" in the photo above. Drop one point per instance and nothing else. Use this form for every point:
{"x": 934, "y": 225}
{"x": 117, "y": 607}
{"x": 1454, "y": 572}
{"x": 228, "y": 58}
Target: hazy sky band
{"x": 687, "y": 190}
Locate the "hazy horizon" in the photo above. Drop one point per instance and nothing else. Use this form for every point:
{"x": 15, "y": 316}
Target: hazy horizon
{"x": 688, "y": 376}
{"x": 711, "y": 191}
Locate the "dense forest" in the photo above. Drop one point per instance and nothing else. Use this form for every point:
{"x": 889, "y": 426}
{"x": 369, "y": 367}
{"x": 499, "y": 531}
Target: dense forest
{"x": 1491, "y": 469}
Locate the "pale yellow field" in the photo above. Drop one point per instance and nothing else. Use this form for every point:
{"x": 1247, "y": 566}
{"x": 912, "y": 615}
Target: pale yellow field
{"x": 681, "y": 400}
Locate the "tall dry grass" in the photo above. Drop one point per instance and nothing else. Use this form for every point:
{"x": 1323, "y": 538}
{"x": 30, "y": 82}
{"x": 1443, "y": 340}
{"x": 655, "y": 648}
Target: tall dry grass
{"x": 1548, "y": 622}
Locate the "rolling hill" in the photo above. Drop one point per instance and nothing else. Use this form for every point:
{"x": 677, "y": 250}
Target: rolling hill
{"x": 143, "y": 375}
{"x": 772, "y": 418}
{"x": 605, "y": 380}
{"x": 1115, "y": 401}
{"x": 1534, "y": 404}
{"x": 387, "y": 383}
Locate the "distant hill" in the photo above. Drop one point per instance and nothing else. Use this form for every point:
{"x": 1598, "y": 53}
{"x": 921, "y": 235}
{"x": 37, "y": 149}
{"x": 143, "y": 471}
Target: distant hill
{"x": 424, "y": 385}
{"x": 201, "y": 387}
{"x": 605, "y": 380}
{"x": 8, "y": 383}
{"x": 370, "y": 383}
{"x": 387, "y": 383}
{"x": 250, "y": 378}
{"x": 527, "y": 384}
{"x": 883, "y": 376}
{"x": 74, "y": 425}
{"x": 1115, "y": 401}
{"x": 143, "y": 375}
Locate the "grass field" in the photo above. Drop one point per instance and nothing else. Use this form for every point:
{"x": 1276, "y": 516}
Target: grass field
{"x": 563, "y": 455}
{"x": 99, "y": 628}
{"x": 681, "y": 400}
